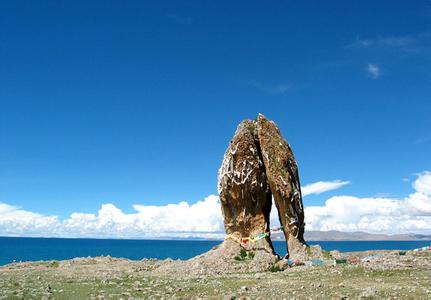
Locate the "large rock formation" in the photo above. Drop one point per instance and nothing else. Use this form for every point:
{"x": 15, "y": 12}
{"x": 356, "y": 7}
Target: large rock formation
{"x": 283, "y": 178}
{"x": 243, "y": 187}
{"x": 258, "y": 165}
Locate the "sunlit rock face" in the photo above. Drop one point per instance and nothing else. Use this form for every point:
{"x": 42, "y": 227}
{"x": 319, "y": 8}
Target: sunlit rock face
{"x": 243, "y": 187}
{"x": 283, "y": 178}
{"x": 258, "y": 165}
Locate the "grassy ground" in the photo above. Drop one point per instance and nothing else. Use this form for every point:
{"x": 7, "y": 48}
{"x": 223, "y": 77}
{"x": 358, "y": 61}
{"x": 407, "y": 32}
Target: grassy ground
{"x": 125, "y": 279}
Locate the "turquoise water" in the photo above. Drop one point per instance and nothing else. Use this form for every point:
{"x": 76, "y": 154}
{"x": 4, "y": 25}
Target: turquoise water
{"x": 27, "y": 249}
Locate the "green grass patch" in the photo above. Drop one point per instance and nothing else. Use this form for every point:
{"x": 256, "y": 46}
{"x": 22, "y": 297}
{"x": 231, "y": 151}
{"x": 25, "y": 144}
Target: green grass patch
{"x": 252, "y": 127}
{"x": 326, "y": 254}
{"x": 244, "y": 255}
{"x": 54, "y": 264}
{"x": 275, "y": 268}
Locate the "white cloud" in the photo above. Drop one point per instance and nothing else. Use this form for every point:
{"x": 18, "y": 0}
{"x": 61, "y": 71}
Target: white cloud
{"x": 309, "y": 189}
{"x": 203, "y": 219}
{"x": 393, "y": 41}
{"x": 385, "y": 215}
{"x": 413, "y": 44}
{"x": 423, "y": 139}
{"x": 423, "y": 183}
{"x": 322, "y": 186}
{"x": 373, "y": 70}
{"x": 179, "y": 19}
{"x": 272, "y": 89}
{"x": 14, "y": 220}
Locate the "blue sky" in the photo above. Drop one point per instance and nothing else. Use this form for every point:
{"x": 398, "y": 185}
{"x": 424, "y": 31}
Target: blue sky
{"x": 134, "y": 102}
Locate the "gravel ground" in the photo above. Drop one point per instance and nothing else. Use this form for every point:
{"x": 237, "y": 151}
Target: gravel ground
{"x": 374, "y": 274}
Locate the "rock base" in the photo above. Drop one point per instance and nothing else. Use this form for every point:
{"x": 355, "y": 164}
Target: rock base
{"x": 224, "y": 259}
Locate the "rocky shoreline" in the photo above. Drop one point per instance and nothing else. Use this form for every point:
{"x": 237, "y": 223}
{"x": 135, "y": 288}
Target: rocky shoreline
{"x": 380, "y": 274}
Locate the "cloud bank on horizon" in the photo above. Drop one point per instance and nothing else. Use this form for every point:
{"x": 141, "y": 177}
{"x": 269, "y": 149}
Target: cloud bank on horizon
{"x": 203, "y": 219}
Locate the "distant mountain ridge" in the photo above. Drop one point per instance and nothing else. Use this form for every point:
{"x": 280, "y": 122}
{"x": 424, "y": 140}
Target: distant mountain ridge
{"x": 333, "y": 235}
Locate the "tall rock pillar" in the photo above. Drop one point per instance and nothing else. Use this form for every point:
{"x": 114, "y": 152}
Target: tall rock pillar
{"x": 283, "y": 178}
{"x": 259, "y": 165}
{"x": 243, "y": 187}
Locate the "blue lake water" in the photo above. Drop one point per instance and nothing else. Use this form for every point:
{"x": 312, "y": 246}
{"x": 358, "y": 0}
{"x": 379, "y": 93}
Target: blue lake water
{"x": 30, "y": 249}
